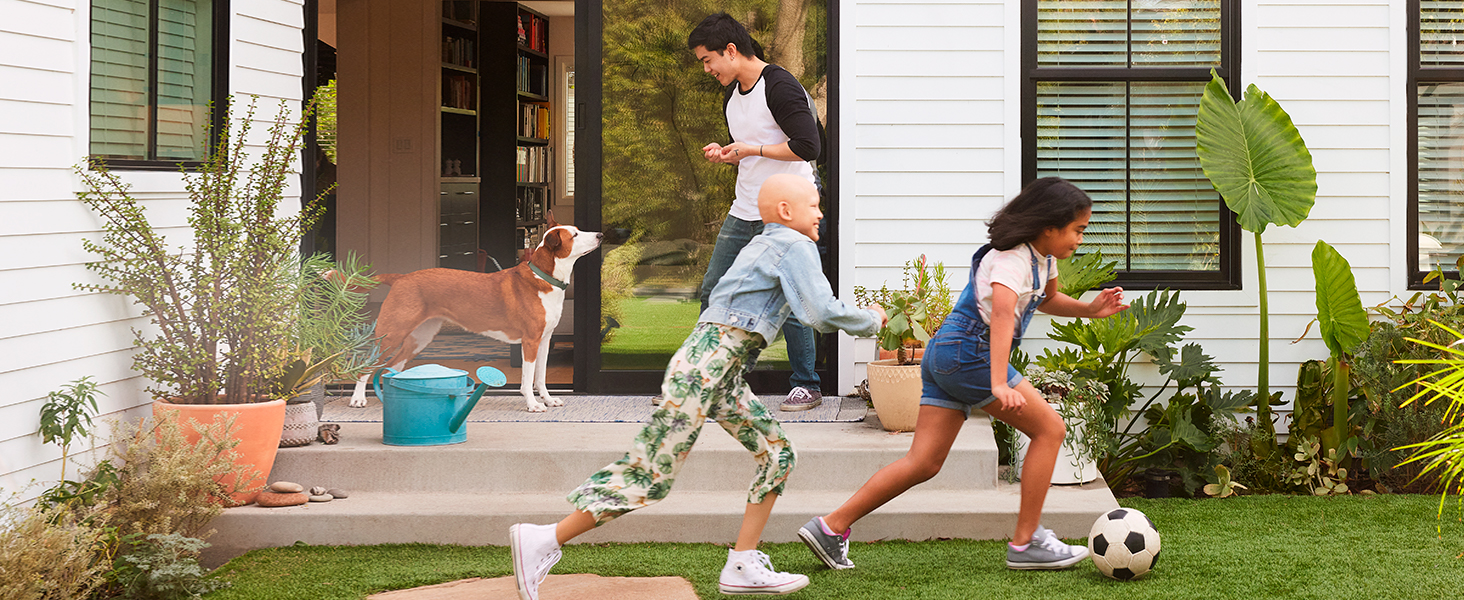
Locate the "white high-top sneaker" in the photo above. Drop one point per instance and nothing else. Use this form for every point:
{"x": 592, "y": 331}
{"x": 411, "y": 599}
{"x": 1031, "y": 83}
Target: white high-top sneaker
{"x": 751, "y": 572}
{"x": 535, "y": 550}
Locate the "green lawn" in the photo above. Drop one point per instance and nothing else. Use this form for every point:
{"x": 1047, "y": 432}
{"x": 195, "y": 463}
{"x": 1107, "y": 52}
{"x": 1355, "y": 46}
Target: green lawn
{"x": 1252, "y": 547}
{"x": 655, "y": 327}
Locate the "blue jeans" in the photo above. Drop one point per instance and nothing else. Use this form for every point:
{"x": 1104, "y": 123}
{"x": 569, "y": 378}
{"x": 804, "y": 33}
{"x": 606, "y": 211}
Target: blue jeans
{"x": 735, "y": 235}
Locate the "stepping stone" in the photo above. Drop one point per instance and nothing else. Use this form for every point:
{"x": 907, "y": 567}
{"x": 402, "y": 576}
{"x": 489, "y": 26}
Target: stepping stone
{"x": 555, "y": 587}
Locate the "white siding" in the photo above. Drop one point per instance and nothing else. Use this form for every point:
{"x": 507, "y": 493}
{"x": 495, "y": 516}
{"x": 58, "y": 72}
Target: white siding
{"x": 935, "y": 92}
{"x": 51, "y": 334}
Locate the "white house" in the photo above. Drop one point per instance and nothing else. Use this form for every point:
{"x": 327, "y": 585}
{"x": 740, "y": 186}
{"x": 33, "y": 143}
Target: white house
{"x": 940, "y": 110}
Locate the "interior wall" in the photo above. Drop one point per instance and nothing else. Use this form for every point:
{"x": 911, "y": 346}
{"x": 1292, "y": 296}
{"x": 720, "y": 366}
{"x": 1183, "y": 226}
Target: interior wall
{"x": 388, "y": 65}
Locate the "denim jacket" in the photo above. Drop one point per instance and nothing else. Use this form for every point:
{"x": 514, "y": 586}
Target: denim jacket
{"x": 776, "y": 273}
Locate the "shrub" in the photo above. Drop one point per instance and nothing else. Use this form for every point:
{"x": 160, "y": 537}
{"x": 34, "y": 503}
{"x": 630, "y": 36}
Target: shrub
{"x": 164, "y": 567}
{"x": 166, "y": 484}
{"x": 50, "y": 551}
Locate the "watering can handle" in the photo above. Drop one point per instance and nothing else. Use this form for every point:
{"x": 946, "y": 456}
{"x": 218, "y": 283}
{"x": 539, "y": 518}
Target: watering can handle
{"x": 376, "y": 382}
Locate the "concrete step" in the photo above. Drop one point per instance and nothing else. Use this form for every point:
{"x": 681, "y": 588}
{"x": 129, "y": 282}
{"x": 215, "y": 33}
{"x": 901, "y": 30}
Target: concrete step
{"x": 922, "y": 513}
{"x": 511, "y": 458}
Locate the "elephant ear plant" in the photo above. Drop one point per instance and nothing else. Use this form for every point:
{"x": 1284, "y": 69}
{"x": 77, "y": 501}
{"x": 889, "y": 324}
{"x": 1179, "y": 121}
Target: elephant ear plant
{"x": 1343, "y": 324}
{"x": 1255, "y": 157}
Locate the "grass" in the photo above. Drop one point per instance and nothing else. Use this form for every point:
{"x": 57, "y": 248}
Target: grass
{"x": 655, "y": 327}
{"x": 1250, "y": 547}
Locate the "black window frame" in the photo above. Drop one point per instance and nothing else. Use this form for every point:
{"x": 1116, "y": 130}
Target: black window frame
{"x": 1417, "y": 73}
{"x": 218, "y": 93}
{"x": 1228, "y": 276}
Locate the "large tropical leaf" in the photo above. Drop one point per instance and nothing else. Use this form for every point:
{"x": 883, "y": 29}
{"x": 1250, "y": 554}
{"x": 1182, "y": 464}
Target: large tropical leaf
{"x": 1340, "y": 314}
{"x": 1082, "y": 272}
{"x": 1255, "y": 157}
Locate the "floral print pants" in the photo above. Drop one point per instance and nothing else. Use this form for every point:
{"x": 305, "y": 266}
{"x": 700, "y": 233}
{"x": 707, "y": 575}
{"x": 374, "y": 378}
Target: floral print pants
{"x": 704, "y": 381}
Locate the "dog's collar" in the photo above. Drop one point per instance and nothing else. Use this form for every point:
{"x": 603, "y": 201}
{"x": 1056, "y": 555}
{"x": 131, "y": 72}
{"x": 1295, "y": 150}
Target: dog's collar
{"x": 547, "y": 277}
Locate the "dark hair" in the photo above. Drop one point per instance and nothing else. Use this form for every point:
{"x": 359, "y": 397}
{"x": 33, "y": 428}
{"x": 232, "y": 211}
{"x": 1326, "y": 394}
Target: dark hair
{"x": 1048, "y": 202}
{"x": 716, "y": 31}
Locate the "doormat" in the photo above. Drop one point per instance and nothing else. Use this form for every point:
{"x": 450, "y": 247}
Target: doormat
{"x": 596, "y": 409}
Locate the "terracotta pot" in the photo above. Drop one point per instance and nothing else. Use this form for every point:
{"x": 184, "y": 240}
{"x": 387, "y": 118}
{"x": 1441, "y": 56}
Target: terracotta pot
{"x": 257, "y": 426}
{"x": 916, "y": 353}
{"x": 895, "y": 391}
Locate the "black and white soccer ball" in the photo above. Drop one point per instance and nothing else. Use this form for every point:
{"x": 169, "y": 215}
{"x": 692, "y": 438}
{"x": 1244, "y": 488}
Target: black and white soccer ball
{"x": 1124, "y": 544}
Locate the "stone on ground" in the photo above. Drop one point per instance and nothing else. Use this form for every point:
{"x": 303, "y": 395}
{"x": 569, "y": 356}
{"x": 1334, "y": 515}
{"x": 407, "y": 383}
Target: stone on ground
{"x": 555, "y": 587}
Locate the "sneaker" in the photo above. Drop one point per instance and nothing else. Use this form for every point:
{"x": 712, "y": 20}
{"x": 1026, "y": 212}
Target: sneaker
{"x": 802, "y": 398}
{"x": 535, "y": 550}
{"x": 1045, "y": 552}
{"x": 831, "y": 548}
{"x": 751, "y": 572}
{"x": 657, "y": 400}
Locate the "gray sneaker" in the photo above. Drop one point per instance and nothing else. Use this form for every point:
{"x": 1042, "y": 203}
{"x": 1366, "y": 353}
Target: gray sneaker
{"x": 802, "y": 398}
{"x": 1045, "y": 552}
{"x": 832, "y": 549}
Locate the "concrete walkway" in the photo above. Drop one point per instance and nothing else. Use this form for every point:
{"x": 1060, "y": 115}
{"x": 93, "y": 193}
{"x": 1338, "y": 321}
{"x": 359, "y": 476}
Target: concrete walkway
{"x": 555, "y": 587}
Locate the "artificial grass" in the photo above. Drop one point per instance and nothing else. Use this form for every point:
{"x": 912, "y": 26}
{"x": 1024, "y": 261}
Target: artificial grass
{"x": 1248, "y": 547}
{"x": 655, "y": 327}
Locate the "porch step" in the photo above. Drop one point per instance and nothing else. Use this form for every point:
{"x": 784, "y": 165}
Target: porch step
{"x": 509, "y": 473}
{"x": 503, "y": 458}
{"x": 698, "y": 517}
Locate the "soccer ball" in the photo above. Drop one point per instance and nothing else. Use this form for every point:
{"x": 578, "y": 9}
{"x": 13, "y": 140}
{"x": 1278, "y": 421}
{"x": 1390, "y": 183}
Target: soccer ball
{"x": 1124, "y": 544}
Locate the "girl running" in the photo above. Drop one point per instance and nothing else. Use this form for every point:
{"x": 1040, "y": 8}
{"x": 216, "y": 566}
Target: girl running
{"x": 966, "y": 366}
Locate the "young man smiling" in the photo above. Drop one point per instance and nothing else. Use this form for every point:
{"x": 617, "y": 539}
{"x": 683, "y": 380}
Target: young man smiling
{"x": 774, "y": 131}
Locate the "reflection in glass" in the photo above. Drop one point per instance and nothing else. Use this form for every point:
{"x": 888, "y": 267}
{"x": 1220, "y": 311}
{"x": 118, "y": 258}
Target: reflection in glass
{"x": 1440, "y": 175}
{"x": 662, "y": 203}
{"x": 1132, "y": 148}
{"x": 1440, "y": 27}
{"x": 1090, "y": 33}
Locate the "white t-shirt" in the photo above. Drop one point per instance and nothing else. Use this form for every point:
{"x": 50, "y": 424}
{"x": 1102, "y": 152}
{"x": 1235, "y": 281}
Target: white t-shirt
{"x": 750, "y": 120}
{"x": 1011, "y": 268}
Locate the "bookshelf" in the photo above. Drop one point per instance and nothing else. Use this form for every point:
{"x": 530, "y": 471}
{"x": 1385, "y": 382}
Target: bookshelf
{"x": 458, "y": 205}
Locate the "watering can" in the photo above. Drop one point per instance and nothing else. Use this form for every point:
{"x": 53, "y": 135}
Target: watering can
{"x": 427, "y": 405}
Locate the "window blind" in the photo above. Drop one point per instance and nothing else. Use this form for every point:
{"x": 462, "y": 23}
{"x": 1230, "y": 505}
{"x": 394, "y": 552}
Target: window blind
{"x": 185, "y": 45}
{"x": 1440, "y": 174}
{"x": 119, "y": 79}
{"x": 1440, "y": 27}
{"x": 1130, "y": 142}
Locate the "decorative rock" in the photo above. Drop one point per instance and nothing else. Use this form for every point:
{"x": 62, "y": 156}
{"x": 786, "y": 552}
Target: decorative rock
{"x": 321, "y": 498}
{"x": 330, "y": 433}
{"x": 286, "y": 487}
{"x": 275, "y": 499}
{"x": 337, "y": 493}
{"x": 318, "y": 490}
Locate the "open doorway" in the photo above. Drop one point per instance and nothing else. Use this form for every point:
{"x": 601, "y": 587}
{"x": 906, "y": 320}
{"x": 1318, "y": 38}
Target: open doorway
{"x": 450, "y": 147}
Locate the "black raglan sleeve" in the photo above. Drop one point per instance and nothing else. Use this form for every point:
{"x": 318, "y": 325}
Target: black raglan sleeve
{"x": 791, "y": 110}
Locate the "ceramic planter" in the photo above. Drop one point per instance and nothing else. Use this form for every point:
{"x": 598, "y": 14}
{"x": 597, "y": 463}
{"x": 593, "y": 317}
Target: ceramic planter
{"x": 257, "y": 426}
{"x": 1069, "y": 469}
{"x": 895, "y": 391}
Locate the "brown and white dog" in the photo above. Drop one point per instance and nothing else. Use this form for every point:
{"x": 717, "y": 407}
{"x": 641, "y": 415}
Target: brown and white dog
{"x": 517, "y": 305}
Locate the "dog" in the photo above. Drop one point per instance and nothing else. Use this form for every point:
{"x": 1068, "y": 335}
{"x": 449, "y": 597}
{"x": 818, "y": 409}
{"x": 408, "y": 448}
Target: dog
{"x": 521, "y": 305}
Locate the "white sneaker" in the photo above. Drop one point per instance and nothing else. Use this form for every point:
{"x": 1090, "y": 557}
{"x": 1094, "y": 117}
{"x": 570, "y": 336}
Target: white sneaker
{"x": 535, "y": 550}
{"x": 751, "y": 572}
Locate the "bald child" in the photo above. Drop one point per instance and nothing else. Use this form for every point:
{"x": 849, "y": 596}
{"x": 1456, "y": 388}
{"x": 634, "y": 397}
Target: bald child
{"x": 776, "y": 274}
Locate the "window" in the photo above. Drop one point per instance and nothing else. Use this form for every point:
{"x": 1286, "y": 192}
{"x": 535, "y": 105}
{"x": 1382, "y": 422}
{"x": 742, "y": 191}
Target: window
{"x": 1436, "y": 98}
{"x": 156, "y": 66}
{"x": 1110, "y": 94}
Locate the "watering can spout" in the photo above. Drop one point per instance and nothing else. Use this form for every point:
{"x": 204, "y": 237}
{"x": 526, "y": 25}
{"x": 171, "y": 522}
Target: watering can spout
{"x": 489, "y": 377}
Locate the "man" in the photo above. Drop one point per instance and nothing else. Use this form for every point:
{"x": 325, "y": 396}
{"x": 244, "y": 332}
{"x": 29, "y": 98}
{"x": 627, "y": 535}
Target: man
{"x": 774, "y": 131}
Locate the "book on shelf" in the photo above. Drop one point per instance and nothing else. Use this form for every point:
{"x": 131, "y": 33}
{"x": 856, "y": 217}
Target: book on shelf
{"x": 463, "y": 12}
{"x": 459, "y": 51}
{"x": 534, "y": 163}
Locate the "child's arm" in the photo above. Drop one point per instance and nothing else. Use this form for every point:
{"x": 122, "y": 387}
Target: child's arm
{"x": 812, "y": 299}
{"x": 1107, "y": 302}
{"x": 1003, "y": 323}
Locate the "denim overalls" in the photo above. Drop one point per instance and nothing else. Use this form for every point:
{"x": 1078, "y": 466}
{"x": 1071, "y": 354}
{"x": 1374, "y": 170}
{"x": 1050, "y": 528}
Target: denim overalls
{"x": 956, "y": 370}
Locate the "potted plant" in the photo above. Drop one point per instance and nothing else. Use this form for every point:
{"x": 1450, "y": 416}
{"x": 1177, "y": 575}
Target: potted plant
{"x": 334, "y": 339}
{"x": 223, "y": 309}
{"x": 1089, "y": 433}
{"x": 914, "y": 314}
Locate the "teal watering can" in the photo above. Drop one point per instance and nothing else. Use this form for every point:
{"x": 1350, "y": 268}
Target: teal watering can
{"x": 427, "y": 405}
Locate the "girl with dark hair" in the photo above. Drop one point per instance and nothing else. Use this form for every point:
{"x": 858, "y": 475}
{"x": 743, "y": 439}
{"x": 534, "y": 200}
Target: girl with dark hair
{"x": 966, "y": 366}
